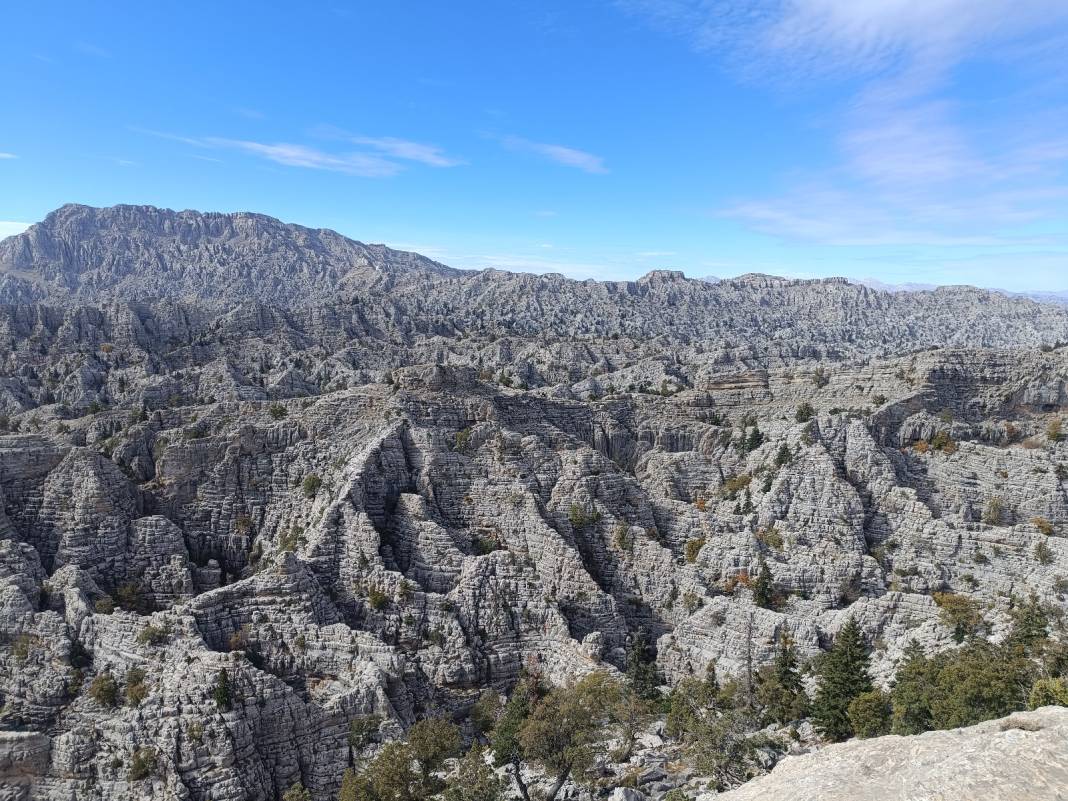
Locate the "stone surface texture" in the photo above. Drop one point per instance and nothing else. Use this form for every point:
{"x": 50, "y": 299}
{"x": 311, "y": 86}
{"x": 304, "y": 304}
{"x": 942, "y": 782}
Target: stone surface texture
{"x": 358, "y": 482}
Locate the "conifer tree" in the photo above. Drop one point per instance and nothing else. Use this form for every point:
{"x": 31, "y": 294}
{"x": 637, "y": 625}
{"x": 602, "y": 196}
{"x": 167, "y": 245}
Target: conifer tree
{"x": 781, "y": 692}
{"x": 763, "y": 587}
{"x": 843, "y": 675}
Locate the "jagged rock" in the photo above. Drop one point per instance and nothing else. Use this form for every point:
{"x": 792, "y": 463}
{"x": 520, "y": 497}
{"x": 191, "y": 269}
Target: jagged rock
{"x": 362, "y": 483}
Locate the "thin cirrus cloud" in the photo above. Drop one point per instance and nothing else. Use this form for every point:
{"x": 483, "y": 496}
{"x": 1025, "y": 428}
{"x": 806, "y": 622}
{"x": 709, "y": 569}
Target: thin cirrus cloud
{"x": 378, "y": 158}
{"x": 567, "y": 156}
{"x": 8, "y": 156}
{"x": 908, "y": 169}
{"x": 403, "y": 149}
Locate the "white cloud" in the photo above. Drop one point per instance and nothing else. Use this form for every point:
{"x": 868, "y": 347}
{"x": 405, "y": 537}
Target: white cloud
{"x": 911, "y": 165}
{"x": 568, "y": 156}
{"x": 8, "y": 156}
{"x": 10, "y": 228}
{"x": 381, "y": 157}
{"x": 292, "y": 155}
{"x": 430, "y": 155}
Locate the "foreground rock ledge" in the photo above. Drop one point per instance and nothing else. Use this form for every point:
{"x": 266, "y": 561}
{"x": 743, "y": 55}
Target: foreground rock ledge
{"x": 1018, "y": 758}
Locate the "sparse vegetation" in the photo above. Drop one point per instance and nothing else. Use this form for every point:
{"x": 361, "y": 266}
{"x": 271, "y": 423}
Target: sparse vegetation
{"x": 311, "y": 485}
{"x": 693, "y": 548}
{"x": 143, "y": 764}
{"x": 104, "y": 690}
{"x": 153, "y": 635}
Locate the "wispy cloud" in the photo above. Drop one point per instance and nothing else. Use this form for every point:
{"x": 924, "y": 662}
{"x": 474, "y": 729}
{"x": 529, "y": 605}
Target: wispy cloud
{"x": 379, "y": 158}
{"x": 8, "y": 156}
{"x": 568, "y": 156}
{"x": 911, "y": 166}
{"x": 406, "y": 150}
{"x": 292, "y": 155}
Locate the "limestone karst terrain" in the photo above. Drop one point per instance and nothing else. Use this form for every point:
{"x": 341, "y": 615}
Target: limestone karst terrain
{"x": 364, "y": 483}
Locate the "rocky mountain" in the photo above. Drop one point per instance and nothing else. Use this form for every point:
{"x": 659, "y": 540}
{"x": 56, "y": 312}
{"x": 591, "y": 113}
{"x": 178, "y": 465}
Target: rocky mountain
{"x": 82, "y": 254}
{"x": 267, "y": 484}
{"x": 140, "y": 254}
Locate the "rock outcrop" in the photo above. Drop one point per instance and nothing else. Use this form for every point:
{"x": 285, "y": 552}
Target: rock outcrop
{"x": 258, "y": 521}
{"x": 1024, "y": 756}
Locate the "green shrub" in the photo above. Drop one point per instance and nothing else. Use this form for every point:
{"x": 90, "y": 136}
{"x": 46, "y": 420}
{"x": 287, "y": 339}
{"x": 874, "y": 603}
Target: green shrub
{"x": 378, "y": 599}
{"x": 104, "y": 690}
{"x": 580, "y": 517}
{"x": 363, "y": 729}
{"x": 693, "y": 549}
{"x": 869, "y": 714}
{"x": 1044, "y": 554}
{"x": 994, "y": 511}
{"x": 136, "y": 689}
{"x": 959, "y": 613}
{"x": 277, "y": 411}
{"x": 296, "y": 792}
{"x": 770, "y": 538}
{"x": 804, "y": 413}
{"x": 143, "y": 764}
{"x": 1048, "y": 692}
{"x": 153, "y": 635}
{"x": 311, "y": 485}
{"x": 104, "y": 605}
{"x": 462, "y": 440}
{"x": 943, "y": 442}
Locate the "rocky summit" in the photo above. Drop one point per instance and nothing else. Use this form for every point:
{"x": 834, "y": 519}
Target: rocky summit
{"x": 271, "y": 496}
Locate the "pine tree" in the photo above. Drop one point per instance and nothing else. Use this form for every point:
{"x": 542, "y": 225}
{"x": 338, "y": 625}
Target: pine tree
{"x": 763, "y": 587}
{"x": 911, "y": 697}
{"x": 781, "y": 692}
{"x": 843, "y": 675}
{"x": 221, "y": 691}
{"x": 641, "y": 672}
{"x": 754, "y": 440}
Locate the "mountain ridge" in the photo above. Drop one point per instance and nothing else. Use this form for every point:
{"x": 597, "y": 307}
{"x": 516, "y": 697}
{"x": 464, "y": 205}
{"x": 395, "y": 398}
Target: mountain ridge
{"x": 81, "y": 255}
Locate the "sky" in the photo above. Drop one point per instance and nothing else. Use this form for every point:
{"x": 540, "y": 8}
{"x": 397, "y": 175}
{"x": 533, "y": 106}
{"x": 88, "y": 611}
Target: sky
{"x": 902, "y": 140}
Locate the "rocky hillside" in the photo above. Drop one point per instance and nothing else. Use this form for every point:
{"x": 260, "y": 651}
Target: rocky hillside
{"x": 417, "y": 484}
{"x": 83, "y": 255}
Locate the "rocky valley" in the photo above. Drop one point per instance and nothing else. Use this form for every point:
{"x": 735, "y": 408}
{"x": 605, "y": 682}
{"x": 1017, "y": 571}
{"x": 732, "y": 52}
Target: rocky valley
{"x": 270, "y": 485}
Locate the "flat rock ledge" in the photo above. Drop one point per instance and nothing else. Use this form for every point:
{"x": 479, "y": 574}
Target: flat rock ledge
{"x": 1022, "y": 757}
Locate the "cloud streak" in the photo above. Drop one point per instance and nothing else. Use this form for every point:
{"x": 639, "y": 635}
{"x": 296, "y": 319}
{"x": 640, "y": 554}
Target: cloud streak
{"x": 7, "y": 156}
{"x": 910, "y": 166}
{"x": 567, "y": 156}
{"x": 379, "y": 158}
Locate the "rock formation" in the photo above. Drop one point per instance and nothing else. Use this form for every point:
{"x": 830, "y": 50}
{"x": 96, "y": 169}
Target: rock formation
{"x": 275, "y": 481}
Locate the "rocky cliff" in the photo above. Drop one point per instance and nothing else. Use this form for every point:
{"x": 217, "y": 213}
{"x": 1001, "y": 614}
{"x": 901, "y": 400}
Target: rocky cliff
{"x": 354, "y": 482}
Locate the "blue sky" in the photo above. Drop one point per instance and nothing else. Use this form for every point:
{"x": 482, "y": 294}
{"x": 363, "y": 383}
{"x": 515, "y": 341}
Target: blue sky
{"x": 904, "y": 140}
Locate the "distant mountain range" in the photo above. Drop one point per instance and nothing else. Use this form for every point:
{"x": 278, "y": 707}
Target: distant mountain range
{"x": 83, "y": 255}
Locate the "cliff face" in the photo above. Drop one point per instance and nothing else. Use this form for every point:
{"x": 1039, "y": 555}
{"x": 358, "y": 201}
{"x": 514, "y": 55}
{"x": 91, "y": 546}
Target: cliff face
{"x": 386, "y": 503}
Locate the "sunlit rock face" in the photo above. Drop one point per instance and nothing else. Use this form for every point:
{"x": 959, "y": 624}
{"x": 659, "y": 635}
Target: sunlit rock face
{"x": 355, "y": 482}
